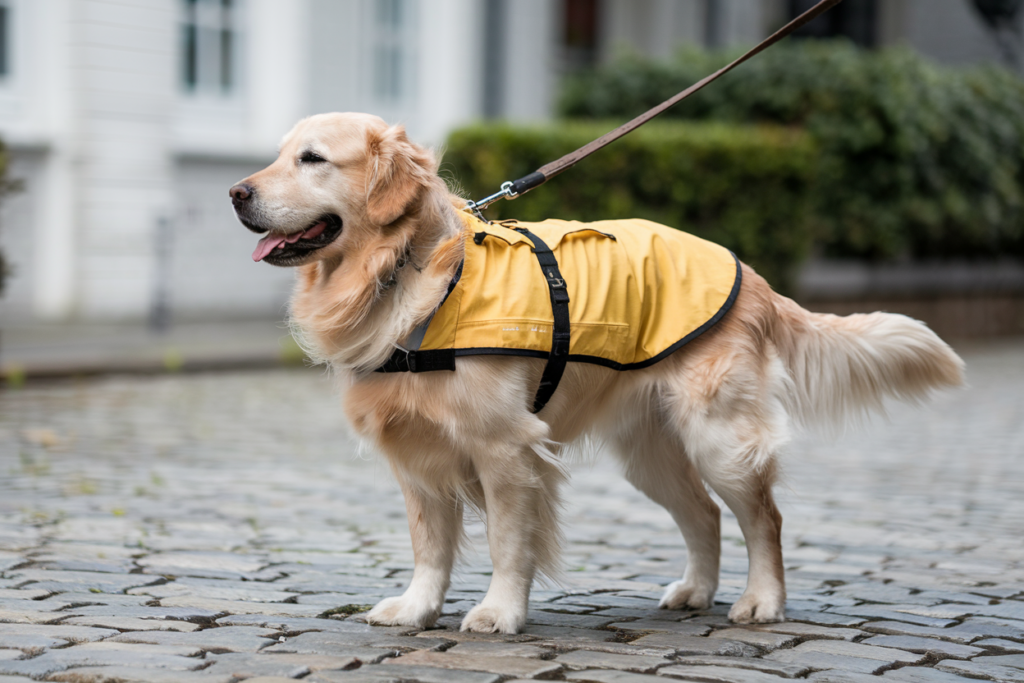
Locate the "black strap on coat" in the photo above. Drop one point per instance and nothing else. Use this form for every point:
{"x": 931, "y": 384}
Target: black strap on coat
{"x": 415, "y": 360}
{"x": 559, "y": 354}
{"x": 419, "y": 361}
{"x": 444, "y": 359}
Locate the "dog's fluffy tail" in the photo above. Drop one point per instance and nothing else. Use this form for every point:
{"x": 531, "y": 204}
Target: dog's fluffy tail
{"x": 845, "y": 367}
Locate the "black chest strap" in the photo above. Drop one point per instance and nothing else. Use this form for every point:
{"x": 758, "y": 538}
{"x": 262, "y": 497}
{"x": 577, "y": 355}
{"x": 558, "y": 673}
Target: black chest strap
{"x": 419, "y": 361}
{"x": 409, "y": 357}
{"x": 415, "y": 360}
{"x": 559, "y": 354}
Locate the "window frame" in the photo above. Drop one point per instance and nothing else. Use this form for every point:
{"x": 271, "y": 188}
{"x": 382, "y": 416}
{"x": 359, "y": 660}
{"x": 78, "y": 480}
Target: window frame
{"x": 20, "y": 85}
{"x": 398, "y": 40}
{"x": 11, "y": 43}
{"x": 857, "y": 21}
{"x": 209, "y": 49}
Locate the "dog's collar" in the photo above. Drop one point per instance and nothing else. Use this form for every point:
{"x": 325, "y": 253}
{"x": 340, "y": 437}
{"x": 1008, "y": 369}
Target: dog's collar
{"x": 403, "y": 260}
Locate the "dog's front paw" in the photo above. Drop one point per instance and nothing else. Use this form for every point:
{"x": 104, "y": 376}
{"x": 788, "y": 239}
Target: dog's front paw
{"x": 754, "y": 608}
{"x": 404, "y": 610}
{"x": 687, "y": 595}
{"x": 493, "y": 619}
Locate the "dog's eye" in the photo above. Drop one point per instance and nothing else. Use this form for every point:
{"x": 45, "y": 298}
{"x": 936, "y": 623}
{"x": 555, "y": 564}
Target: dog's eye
{"x": 311, "y": 158}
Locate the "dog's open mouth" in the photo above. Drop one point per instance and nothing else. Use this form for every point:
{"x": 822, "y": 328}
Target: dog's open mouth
{"x": 286, "y": 250}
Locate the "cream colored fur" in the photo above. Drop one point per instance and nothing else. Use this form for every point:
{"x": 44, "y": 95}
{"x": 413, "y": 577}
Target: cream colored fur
{"x": 715, "y": 414}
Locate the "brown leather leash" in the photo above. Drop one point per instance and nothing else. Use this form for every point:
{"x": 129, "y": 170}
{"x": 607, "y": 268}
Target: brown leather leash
{"x": 511, "y": 189}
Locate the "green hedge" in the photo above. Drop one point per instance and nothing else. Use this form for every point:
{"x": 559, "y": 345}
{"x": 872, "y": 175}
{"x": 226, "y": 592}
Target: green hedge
{"x": 743, "y": 187}
{"x": 916, "y": 159}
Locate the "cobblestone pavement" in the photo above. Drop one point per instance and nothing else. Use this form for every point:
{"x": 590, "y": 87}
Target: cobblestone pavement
{"x": 222, "y": 527}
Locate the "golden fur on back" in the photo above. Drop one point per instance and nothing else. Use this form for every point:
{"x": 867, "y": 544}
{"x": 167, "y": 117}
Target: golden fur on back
{"x": 715, "y": 413}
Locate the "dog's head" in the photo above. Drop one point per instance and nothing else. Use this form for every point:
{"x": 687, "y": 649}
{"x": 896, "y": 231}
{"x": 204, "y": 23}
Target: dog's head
{"x": 339, "y": 180}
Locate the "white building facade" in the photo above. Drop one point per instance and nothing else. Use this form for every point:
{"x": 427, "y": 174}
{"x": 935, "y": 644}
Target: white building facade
{"x": 127, "y": 120}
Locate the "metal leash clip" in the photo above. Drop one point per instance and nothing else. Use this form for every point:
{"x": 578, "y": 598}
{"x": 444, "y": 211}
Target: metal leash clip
{"x": 510, "y": 189}
{"x": 505, "y": 192}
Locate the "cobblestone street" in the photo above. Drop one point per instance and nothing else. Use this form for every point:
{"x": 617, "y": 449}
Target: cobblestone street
{"x": 221, "y": 527}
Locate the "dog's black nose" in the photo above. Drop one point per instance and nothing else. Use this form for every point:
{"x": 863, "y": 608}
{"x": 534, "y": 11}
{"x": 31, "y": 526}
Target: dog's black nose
{"x": 241, "y": 193}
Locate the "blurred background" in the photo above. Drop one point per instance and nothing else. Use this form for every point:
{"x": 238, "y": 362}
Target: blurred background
{"x": 876, "y": 161}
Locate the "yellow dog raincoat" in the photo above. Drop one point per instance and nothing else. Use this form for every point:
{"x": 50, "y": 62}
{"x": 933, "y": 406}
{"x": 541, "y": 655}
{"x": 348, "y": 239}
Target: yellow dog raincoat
{"x": 623, "y": 294}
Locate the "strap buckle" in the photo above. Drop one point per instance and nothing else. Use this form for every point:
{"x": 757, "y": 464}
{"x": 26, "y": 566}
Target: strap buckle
{"x": 402, "y": 360}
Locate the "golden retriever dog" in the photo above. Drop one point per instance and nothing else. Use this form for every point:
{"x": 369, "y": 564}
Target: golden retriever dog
{"x": 376, "y": 237}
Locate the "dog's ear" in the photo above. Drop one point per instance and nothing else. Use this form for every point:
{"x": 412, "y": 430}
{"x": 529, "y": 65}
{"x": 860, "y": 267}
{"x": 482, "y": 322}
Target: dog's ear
{"x": 398, "y": 171}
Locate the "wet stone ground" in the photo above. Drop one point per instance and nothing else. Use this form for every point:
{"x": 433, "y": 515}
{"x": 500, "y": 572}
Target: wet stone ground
{"x": 223, "y": 527}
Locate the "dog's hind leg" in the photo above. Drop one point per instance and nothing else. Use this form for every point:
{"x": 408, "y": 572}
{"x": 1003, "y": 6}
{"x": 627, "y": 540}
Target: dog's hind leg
{"x": 656, "y": 464}
{"x": 435, "y": 524}
{"x": 520, "y": 500}
{"x": 746, "y": 487}
{"x": 764, "y": 599}
{"x": 730, "y": 414}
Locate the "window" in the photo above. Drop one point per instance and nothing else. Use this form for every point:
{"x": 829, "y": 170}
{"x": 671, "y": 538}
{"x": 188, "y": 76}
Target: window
{"x": 208, "y": 46}
{"x": 393, "y": 24}
{"x": 853, "y": 19}
{"x": 1003, "y": 19}
{"x": 495, "y": 27}
{"x": 579, "y": 39}
{"x": 5, "y": 40}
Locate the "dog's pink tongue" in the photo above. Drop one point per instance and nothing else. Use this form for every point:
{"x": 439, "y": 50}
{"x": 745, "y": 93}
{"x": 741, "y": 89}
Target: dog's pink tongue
{"x": 271, "y": 242}
{"x": 267, "y": 245}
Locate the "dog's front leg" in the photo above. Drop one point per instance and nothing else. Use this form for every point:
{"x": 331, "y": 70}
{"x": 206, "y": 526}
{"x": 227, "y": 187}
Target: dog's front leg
{"x": 435, "y": 524}
{"x": 521, "y": 499}
{"x": 510, "y": 532}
